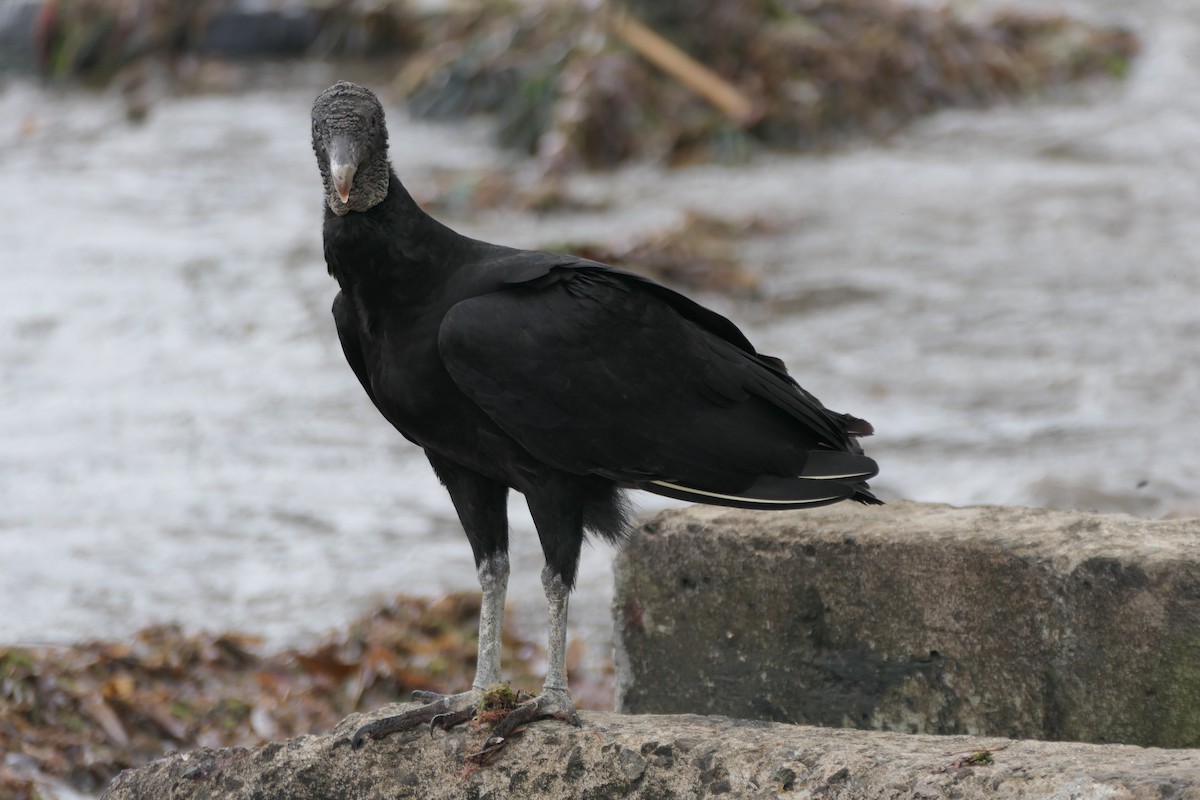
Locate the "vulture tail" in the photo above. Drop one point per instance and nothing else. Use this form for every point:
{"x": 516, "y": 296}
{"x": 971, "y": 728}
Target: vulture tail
{"x": 828, "y": 477}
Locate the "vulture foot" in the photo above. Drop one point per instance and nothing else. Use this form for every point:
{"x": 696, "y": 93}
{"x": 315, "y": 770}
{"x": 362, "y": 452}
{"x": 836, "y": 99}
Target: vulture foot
{"x": 440, "y": 712}
{"x": 555, "y": 703}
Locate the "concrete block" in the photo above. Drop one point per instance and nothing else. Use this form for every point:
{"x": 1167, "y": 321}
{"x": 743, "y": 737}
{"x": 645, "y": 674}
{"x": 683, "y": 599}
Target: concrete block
{"x": 1016, "y": 622}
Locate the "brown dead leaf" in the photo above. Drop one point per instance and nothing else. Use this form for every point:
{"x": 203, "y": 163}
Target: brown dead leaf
{"x": 95, "y": 707}
{"x": 84, "y": 713}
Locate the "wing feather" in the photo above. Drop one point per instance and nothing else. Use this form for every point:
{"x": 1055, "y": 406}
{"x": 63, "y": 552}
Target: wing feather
{"x": 348, "y": 334}
{"x": 596, "y": 372}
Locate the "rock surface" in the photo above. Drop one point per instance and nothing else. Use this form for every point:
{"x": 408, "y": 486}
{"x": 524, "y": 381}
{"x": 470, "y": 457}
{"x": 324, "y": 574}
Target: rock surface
{"x": 919, "y": 618}
{"x": 666, "y": 757}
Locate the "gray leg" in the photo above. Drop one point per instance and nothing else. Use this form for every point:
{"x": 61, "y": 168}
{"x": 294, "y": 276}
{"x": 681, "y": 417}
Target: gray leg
{"x": 557, "y": 595}
{"x": 555, "y": 699}
{"x": 493, "y": 579}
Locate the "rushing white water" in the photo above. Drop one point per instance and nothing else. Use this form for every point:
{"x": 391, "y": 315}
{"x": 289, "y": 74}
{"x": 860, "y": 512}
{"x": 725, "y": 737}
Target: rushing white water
{"x": 1010, "y": 296}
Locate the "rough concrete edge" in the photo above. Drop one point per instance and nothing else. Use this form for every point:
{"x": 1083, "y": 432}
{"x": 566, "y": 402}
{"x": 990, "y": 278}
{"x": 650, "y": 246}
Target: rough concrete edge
{"x": 1001, "y": 525}
{"x": 613, "y": 755}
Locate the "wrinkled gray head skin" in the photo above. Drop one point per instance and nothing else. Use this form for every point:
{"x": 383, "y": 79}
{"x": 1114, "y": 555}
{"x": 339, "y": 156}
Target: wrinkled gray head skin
{"x": 350, "y": 140}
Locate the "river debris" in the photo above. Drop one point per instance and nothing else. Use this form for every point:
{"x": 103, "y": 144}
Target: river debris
{"x": 698, "y": 254}
{"x": 464, "y": 193}
{"x": 76, "y": 716}
{"x": 94, "y": 40}
{"x": 571, "y": 84}
{"x": 597, "y": 84}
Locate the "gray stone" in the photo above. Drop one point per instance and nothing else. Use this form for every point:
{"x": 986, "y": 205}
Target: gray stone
{"x": 920, "y": 618}
{"x": 710, "y": 756}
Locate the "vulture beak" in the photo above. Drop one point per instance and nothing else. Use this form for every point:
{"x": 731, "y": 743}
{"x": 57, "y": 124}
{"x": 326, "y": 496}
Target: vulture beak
{"x": 342, "y": 166}
{"x": 343, "y": 178}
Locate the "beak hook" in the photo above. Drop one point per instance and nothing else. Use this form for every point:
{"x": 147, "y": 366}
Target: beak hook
{"x": 343, "y": 179}
{"x": 343, "y": 163}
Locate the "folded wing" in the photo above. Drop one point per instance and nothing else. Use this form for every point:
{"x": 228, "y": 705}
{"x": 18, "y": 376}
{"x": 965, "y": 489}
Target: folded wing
{"x": 597, "y": 371}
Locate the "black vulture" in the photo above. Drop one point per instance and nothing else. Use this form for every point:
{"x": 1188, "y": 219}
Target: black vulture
{"x": 565, "y": 379}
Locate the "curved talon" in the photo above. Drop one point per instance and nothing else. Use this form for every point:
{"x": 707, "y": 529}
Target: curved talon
{"x": 360, "y": 737}
{"x": 490, "y": 747}
{"x": 538, "y": 708}
{"x": 449, "y": 719}
{"x": 382, "y": 728}
{"x": 519, "y": 716}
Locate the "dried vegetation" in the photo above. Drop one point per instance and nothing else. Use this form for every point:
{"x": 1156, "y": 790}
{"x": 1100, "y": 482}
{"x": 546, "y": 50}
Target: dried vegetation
{"x": 586, "y": 84}
{"x": 699, "y": 254}
{"x": 572, "y": 85}
{"x": 78, "y": 715}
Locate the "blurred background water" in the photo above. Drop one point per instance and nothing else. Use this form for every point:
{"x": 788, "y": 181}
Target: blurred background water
{"x": 1010, "y": 296}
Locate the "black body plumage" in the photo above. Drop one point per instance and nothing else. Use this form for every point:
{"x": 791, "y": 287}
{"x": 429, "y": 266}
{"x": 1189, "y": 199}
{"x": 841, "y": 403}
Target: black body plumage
{"x": 562, "y": 378}
{"x": 533, "y": 369}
